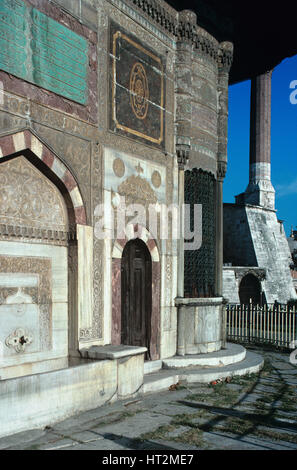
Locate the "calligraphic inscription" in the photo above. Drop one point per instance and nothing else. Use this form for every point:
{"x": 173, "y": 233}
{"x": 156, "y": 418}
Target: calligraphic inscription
{"x": 42, "y": 51}
{"x": 137, "y": 95}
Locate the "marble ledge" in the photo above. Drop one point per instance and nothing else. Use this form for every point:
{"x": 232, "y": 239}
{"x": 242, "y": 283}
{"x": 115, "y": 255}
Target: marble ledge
{"x": 111, "y": 351}
{"x": 198, "y": 301}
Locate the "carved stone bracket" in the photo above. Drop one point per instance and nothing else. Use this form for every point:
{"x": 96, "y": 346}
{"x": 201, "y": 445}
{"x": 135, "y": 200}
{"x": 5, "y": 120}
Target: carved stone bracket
{"x": 183, "y": 153}
{"x": 221, "y": 170}
{"x": 188, "y": 31}
{"x": 225, "y": 56}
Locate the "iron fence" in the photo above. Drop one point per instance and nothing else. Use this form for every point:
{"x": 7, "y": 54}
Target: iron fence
{"x": 275, "y": 324}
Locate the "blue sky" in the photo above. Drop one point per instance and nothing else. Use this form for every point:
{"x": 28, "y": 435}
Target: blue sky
{"x": 283, "y": 142}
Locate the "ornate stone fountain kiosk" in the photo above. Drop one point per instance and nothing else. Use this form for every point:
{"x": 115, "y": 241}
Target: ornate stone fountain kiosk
{"x": 99, "y": 103}
{"x": 201, "y": 145}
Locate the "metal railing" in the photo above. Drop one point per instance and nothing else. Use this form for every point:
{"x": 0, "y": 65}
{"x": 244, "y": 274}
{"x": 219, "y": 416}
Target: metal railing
{"x": 275, "y": 324}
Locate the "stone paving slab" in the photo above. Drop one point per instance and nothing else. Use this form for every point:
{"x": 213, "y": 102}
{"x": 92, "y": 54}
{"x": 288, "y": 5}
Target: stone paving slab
{"x": 101, "y": 444}
{"x": 134, "y": 426}
{"x": 264, "y": 388}
{"x": 22, "y": 437}
{"x": 59, "y": 444}
{"x": 249, "y": 398}
{"x": 178, "y": 431}
{"x": 86, "y": 436}
{"x": 231, "y": 442}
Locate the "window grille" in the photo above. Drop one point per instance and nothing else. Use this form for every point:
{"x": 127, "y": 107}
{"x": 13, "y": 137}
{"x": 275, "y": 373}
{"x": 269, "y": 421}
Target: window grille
{"x": 199, "y": 274}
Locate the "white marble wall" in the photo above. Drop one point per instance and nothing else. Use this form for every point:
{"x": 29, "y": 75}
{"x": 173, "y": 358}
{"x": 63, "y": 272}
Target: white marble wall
{"x": 85, "y": 275}
{"x": 55, "y": 396}
{"x": 230, "y": 286}
{"x": 116, "y": 172}
{"x": 169, "y": 277}
{"x": 20, "y": 312}
{"x": 151, "y": 177}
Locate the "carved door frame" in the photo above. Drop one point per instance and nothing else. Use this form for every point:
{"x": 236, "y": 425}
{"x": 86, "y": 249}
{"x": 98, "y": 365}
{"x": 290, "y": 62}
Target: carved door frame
{"x": 117, "y": 252}
{"x": 136, "y": 295}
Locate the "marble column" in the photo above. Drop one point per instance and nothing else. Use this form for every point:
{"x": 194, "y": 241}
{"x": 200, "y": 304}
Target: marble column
{"x": 182, "y": 158}
{"x": 183, "y": 97}
{"x": 260, "y": 191}
{"x": 225, "y": 54}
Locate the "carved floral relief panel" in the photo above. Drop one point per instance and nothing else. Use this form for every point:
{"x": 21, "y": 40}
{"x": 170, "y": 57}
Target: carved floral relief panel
{"x": 25, "y": 304}
{"x": 28, "y": 198}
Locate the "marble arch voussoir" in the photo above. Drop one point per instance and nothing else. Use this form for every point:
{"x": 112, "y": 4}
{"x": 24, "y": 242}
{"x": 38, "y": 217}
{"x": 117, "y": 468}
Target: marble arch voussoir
{"x": 26, "y": 140}
{"x": 136, "y": 231}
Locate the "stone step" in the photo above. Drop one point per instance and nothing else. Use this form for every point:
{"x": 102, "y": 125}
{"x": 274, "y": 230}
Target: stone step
{"x": 152, "y": 366}
{"x": 231, "y": 354}
{"x": 162, "y": 380}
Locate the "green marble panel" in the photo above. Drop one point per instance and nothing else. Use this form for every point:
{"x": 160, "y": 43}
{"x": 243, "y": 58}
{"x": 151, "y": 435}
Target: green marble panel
{"x": 40, "y": 50}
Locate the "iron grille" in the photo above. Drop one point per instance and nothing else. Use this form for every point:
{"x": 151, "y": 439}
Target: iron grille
{"x": 199, "y": 274}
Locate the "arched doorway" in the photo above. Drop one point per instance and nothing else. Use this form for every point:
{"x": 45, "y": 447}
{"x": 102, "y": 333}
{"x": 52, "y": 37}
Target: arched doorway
{"x": 136, "y": 295}
{"x": 250, "y": 290}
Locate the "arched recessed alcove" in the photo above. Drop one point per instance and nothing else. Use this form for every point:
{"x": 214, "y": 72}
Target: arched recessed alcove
{"x": 250, "y": 290}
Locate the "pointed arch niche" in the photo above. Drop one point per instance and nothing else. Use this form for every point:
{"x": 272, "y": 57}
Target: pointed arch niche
{"x": 41, "y": 212}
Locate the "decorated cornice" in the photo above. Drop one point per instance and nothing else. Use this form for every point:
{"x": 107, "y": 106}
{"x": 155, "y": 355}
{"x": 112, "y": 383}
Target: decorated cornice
{"x": 183, "y": 27}
{"x": 202, "y": 44}
{"x": 44, "y": 235}
{"x": 225, "y": 56}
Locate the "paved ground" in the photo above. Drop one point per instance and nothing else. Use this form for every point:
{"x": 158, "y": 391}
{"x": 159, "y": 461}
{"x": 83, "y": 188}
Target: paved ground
{"x": 257, "y": 412}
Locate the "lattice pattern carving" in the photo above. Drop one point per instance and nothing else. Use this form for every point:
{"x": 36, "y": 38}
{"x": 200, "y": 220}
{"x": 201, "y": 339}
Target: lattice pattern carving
{"x": 200, "y": 264}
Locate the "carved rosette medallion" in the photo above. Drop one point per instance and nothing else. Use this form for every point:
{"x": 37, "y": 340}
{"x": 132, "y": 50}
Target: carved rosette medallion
{"x": 139, "y": 91}
{"x": 156, "y": 179}
{"x": 118, "y": 167}
{"x": 19, "y": 339}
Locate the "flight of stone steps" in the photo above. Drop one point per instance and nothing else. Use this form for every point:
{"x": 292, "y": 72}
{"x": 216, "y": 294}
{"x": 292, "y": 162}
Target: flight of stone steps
{"x": 200, "y": 368}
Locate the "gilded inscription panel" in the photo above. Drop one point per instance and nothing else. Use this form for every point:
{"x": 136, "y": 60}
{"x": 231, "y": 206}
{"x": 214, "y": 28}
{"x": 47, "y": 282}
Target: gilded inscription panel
{"x": 137, "y": 91}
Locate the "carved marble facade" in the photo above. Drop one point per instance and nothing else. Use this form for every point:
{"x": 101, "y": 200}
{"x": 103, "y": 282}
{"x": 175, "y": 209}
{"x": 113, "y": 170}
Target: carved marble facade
{"x": 156, "y": 105}
{"x": 28, "y": 199}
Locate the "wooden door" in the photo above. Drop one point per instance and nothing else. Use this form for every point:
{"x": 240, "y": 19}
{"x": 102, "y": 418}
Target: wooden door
{"x": 136, "y": 293}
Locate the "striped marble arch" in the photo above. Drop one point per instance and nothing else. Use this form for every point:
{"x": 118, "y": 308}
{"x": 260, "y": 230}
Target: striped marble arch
{"x": 27, "y": 140}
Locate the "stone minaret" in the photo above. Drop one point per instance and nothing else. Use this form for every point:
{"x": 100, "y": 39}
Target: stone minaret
{"x": 260, "y": 191}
